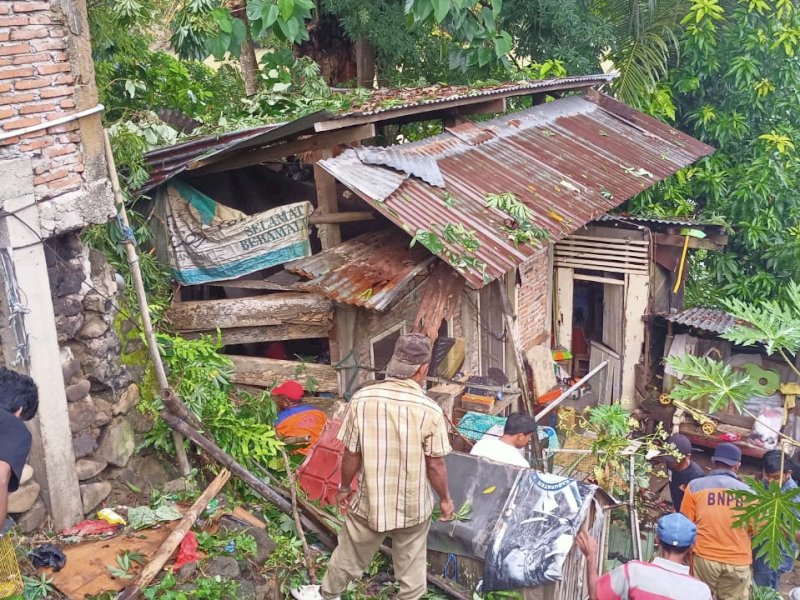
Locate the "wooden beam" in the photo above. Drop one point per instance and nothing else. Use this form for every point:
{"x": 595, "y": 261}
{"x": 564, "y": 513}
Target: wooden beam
{"x": 267, "y": 333}
{"x": 597, "y": 279}
{"x": 343, "y": 217}
{"x": 312, "y": 143}
{"x": 281, "y": 308}
{"x": 330, "y": 235}
{"x": 666, "y": 239}
{"x": 265, "y": 372}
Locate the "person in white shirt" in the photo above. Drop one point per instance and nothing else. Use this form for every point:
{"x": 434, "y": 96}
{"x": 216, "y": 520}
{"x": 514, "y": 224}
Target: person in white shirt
{"x": 508, "y": 448}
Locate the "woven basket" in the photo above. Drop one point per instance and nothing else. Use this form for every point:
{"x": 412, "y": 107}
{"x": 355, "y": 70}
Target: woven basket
{"x": 10, "y": 577}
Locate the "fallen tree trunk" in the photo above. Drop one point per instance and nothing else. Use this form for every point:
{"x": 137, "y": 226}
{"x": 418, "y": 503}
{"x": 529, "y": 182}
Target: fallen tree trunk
{"x": 266, "y": 372}
{"x": 256, "y": 311}
{"x": 153, "y": 568}
{"x": 266, "y": 333}
{"x": 253, "y": 482}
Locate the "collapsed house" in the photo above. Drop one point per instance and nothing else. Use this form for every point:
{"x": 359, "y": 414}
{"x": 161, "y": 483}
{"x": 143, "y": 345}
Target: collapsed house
{"x": 493, "y": 237}
{"x": 343, "y": 297}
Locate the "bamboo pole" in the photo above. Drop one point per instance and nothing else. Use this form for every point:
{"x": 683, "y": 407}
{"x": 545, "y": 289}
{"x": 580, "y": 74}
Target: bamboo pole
{"x": 169, "y": 398}
{"x": 312, "y": 574}
{"x": 153, "y": 568}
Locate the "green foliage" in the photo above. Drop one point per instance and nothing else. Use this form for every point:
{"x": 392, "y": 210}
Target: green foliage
{"x": 711, "y": 381}
{"x": 735, "y": 88}
{"x": 201, "y": 377}
{"x": 763, "y": 593}
{"x": 124, "y": 563}
{"x": 206, "y": 588}
{"x": 521, "y": 230}
{"x": 244, "y": 544}
{"x": 774, "y": 323}
{"x": 771, "y": 515}
{"x": 37, "y": 588}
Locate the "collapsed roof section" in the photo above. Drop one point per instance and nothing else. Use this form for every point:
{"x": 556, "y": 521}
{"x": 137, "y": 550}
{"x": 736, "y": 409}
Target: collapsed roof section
{"x": 567, "y": 161}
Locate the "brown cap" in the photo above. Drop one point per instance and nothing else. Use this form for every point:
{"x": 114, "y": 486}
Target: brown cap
{"x": 410, "y": 353}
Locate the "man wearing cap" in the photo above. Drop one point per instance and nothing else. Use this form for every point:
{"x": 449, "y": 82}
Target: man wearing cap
{"x": 507, "y": 449}
{"x": 681, "y": 470}
{"x": 395, "y": 440}
{"x": 722, "y": 554}
{"x": 296, "y": 419}
{"x": 666, "y": 578}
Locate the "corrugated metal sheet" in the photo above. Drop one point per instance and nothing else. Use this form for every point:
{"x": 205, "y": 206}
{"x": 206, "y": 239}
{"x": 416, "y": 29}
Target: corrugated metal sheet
{"x": 371, "y": 270}
{"x": 711, "y": 320}
{"x": 166, "y": 163}
{"x": 678, "y": 222}
{"x": 569, "y": 161}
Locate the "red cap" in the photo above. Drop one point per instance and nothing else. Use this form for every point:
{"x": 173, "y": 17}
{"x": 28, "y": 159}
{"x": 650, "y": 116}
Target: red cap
{"x": 291, "y": 389}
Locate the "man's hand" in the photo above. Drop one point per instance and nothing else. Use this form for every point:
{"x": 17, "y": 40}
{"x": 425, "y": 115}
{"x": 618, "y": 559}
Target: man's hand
{"x": 343, "y": 500}
{"x": 448, "y": 508}
{"x": 586, "y": 543}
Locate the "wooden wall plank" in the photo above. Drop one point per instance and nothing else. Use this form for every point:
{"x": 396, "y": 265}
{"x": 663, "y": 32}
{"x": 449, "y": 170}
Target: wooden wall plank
{"x": 281, "y": 308}
{"x": 265, "y": 372}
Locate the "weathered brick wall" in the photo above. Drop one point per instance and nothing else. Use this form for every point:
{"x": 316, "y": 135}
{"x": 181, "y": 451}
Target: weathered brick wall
{"x": 532, "y": 300}
{"x": 46, "y": 73}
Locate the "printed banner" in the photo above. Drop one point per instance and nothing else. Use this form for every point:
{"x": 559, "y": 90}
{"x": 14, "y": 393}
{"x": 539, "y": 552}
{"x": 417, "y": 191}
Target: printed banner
{"x": 208, "y": 241}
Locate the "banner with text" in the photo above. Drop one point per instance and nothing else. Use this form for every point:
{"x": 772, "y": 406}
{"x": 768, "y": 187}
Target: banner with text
{"x": 207, "y": 241}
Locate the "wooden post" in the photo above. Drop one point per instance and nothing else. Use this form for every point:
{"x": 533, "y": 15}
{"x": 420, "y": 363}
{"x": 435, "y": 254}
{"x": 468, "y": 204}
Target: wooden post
{"x": 522, "y": 373}
{"x": 327, "y": 202}
{"x": 52, "y": 456}
{"x": 174, "y": 539}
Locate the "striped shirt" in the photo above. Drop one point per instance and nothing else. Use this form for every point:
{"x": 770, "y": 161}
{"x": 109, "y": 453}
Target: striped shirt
{"x": 660, "y": 580}
{"x": 394, "y": 426}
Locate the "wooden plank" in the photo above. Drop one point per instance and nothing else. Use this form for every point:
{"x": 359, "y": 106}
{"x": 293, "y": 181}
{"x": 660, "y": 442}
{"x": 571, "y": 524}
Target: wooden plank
{"x": 330, "y": 235}
{"x": 343, "y": 217}
{"x": 608, "y": 244}
{"x": 540, "y": 360}
{"x": 595, "y": 265}
{"x": 621, "y": 242}
{"x": 637, "y": 296}
{"x": 666, "y": 239}
{"x": 608, "y": 280}
{"x": 320, "y": 141}
{"x": 267, "y": 333}
{"x": 265, "y": 372}
{"x": 564, "y": 299}
{"x": 622, "y": 253}
{"x": 440, "y": 300}
{"x": 281, "y": 308}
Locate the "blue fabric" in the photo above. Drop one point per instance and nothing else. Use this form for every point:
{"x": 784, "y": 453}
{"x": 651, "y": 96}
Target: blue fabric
{"x": 761, "y": 568}
{"x": 291, "y": 411}
{"x": 204, "y": 205}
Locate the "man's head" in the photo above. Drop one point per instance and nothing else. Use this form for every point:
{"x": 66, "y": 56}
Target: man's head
{"x": 412, "y": 353}
{"x": 288, "y": 393}
{"x": 727, "y": 455}
{"x": 18, "y": 394}
{"x": 676, "y": 534}
{"x": 519, "y": 429}
{"x": 680, "y": 444}
{"x": 777, "y": 467}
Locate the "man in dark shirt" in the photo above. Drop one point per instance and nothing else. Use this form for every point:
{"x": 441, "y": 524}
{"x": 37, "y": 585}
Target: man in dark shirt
{"x": 681, "y": 471}
{"x": 19, "y": 401}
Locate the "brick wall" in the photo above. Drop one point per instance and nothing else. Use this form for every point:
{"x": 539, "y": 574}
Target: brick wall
{"x": 532, "y": 300}
{"x": 46, "y": 73}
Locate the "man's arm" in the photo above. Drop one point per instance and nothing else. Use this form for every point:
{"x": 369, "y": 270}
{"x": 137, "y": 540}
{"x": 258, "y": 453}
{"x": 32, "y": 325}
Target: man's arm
{"x": 351, "y": 464}
{"x": 588, "y": 546}
{"x": 5, "y": 479}
{"x": 687, "y": 506}
{"x": 437, "y": 475}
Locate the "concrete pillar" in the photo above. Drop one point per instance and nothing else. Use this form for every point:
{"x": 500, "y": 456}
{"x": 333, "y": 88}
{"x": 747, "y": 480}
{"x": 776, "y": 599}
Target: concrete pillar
{"x": 52, "y": 457}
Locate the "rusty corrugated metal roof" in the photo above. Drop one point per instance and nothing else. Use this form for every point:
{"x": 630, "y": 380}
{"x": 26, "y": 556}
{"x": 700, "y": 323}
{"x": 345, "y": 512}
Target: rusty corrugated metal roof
{"x": 569, "y": 161}
{"x": 711, "y": 320}
{"x": 166, "y": 163}
{"x": 669, "y": 221}
{"x": 371, "y": 270}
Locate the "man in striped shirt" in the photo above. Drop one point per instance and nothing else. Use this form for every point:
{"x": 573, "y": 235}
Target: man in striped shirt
{"x": 395, "y": 439}
{"x": 666, "y": 578}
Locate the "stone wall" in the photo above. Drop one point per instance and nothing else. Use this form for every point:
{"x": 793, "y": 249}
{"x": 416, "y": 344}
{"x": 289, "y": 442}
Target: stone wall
{"x": 100, "y": 393}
